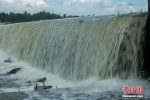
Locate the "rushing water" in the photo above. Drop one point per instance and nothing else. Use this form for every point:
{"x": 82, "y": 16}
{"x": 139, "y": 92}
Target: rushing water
{"x": 78, "y": 49}
{"x": 90, "y": 89}
{"x": 84, "y": 58}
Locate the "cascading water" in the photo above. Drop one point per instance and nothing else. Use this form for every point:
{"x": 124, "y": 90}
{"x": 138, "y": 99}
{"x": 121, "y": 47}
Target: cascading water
{"x": 77, "y": 49}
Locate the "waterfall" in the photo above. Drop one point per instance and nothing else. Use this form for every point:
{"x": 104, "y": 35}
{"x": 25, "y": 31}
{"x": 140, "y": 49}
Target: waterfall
{"x": 76, "y": 49}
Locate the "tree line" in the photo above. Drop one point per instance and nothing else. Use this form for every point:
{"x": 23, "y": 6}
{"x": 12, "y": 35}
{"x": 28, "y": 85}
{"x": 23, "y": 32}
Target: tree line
{"x": 26, "y": 17}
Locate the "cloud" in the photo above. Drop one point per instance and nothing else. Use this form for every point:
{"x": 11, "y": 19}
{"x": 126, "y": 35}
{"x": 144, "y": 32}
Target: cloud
{"x": 124, "y": 4}
{"x": 70, "y": 7}
{"x": 124, "y": 7}
{"x": 86, "y": 7}
{"x": 28, "y": 5}
{"x": 22, "y": 2}
{"x": 145, "y": 8}
{"x": 89, "y": 2}
{"x": 75, "y": 1}
{"x": 8, "y": 1}
{"x": 99, "y": 7}
{"x": 23, "y": 5}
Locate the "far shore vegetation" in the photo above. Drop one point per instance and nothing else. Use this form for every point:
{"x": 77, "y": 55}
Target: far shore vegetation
{"x": 26, "y": 17}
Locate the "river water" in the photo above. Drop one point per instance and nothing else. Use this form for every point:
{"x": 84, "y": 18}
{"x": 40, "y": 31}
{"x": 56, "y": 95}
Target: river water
{"x": 89, "y": 89}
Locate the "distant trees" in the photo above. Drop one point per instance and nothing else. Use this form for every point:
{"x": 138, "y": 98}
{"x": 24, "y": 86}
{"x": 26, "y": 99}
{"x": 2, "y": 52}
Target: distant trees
{"x": 25, "y": 16}
{"x": 71, "y": 16}
{"x": 64, "y": 16}
{"x": 3, "y": 17}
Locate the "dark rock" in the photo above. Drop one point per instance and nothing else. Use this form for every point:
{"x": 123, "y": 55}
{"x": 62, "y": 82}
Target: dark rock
{"x": 41, "y": 87}
{"x": 8, "y": 60}
{"x": 80, "y": 21}
{"x": 8, "y": 83}
{"x": 36, "y": 80}
{"x": 146, "y": 63}
{"x": 14, "y": 71}
{"x": 13, "y": 96}
{"x": 41, "y": 79}
{"x": 29, "y": 83}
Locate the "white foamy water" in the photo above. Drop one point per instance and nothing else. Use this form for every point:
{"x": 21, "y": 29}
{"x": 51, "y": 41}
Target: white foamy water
{"x": 28, "y": 73}
{"x": 92, "y": 88}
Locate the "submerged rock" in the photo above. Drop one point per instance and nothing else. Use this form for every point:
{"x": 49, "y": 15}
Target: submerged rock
{"x": 80, "y": 21}
{"x": 148, "y": 79}
{"x": 41, "y": 79}
{"x": 145, "y": 74}
{"x": 41, "y": 87}
{"x": 9, "y": 60}
{"x": 13, "y": 96}
{"x": 37, "y": 80}
{"x": 14, "y": 71}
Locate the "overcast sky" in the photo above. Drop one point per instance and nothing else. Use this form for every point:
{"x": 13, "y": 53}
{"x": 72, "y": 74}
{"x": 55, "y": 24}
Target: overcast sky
{"x": 74, "y": 7}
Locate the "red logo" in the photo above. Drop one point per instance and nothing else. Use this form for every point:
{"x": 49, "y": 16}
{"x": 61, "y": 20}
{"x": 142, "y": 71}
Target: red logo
{"x": 124, "y": 89}
{"x": 139, "y": 89}
{"x": 132, "y": 89}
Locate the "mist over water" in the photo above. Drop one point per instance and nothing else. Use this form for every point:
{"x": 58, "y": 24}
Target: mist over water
{"x": 85, "y": 58}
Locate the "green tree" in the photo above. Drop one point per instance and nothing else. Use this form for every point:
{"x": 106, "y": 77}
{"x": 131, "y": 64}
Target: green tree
{"x": 25, "y": 16}
{"x": 3, "y": 17}
{"x": 64, "y": 16}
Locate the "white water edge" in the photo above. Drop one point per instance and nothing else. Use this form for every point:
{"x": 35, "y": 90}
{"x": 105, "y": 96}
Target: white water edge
{"x": 88, "y": 86}
{"x": 28, "y": 73}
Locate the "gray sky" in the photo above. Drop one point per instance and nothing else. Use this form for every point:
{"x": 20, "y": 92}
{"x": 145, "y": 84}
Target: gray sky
{"x": 73, "y": 7}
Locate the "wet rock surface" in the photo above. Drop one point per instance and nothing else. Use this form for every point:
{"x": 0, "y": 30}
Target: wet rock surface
{"x": 13, "y": 96}
{"x": 8, "y": 83}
